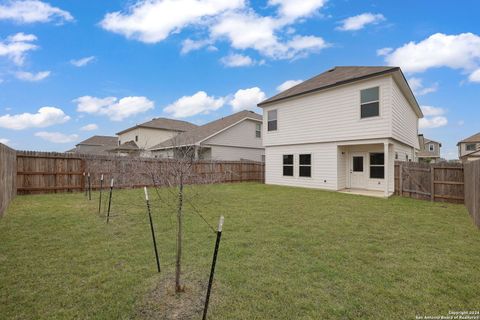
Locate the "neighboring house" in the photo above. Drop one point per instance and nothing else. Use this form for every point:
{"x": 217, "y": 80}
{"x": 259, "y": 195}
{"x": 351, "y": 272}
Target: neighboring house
{"x": 469, "y": 148}
{"x": 128, "y": 148}
{"x": 95, "y": 145}
{"x": 342, "y": 129}
{"x": 151, "y": 133}
{"x": 235, "y": 137}
{"x": 429, "y": 150}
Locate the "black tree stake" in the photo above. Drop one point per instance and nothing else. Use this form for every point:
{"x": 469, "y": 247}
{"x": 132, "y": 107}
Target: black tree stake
{"x": 89, "y": 187}
{"x": 212, "y": 271}
{"x": 110, "y": 200}
{"x": 100, "y": 198}
{"x": 151, "y": 228}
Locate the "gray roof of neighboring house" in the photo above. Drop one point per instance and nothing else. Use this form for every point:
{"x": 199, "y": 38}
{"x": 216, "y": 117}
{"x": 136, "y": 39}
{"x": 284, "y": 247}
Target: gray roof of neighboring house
{"x": 165, "y": 124}
{"x": 474, "y": 138}
{"x": 200, "y": 133}
{"x": 127, "y": 146}
{"x": 100, "y": 141}
{"x": 331, "y": 78}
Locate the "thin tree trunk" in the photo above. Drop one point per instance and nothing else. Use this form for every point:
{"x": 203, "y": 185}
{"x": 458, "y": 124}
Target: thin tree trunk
{"x": 178, "y": 266}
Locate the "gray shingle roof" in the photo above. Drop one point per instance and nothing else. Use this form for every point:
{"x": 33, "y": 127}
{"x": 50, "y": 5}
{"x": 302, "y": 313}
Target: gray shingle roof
{"x": 201, "y": 132}
{"x": 100, "y": 141}
{"x": 474, "y": 138}
{"x": 331, "y": 78}
{"x": 163, "y": 123}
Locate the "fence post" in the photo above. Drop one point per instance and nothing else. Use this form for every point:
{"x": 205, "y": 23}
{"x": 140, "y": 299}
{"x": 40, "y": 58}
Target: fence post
{"x": 432, "y": 183}
{"x": 400, "y": 179}
{"x": 212, "y": 271}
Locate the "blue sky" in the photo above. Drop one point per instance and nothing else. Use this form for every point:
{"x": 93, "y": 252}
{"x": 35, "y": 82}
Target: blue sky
{"x": 72, "y": 69}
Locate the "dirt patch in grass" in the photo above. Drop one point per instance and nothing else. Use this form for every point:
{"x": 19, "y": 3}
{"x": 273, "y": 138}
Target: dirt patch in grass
{"x": 163, "y": 303}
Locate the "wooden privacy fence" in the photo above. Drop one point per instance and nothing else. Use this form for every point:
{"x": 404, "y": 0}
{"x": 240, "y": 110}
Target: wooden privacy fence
{"x": 472, "y": 190}
{"x": 7, "y": 176}
{"x": 435, "y": 182}
{"x": 41, "y": 172}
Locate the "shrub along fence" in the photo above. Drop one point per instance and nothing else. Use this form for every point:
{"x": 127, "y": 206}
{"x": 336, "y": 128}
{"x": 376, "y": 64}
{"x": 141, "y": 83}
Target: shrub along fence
{"x": 48, "y": 172}
{"x": 8, "y": 174}
{"x": 435, "y": 182}
{"x": 472, "y": 190}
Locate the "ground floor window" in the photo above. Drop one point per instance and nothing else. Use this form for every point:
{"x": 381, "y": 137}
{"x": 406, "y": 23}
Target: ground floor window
{"x": 357, "y": 164}
{"x": 288, "y": 165}
{"x": 377, "y": 165}
{"x": 305, "y": 165}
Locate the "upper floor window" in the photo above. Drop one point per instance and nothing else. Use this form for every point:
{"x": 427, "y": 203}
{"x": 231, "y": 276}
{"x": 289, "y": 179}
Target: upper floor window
{"x": 369, "y": 102}
{"x": 272, "y": 120}
{"x": 288, "y": 165}
{"x": 258, "y": 130}
{"x": 471, "y": 146}
{"x": 431, "y": 147}
{"x": 305, "y": 165}
{"x": 119, "y": 142}
{"x": 136, "y": 138}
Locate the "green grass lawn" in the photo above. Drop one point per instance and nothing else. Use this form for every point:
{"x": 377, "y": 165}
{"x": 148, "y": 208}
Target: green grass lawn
{"x": 286, "y": 253}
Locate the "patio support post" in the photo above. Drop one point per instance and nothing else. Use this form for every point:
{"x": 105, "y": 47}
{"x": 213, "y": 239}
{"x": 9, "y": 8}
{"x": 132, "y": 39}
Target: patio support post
{"x": 386, "y": 166}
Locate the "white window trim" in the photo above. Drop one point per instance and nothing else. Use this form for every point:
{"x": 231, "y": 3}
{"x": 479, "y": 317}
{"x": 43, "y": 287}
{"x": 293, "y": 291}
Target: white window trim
{"x": 304, "y": 165}
{"x": 431, "y": 147}
{"x": 376, "y": 165}
{"x": 379, "y": 103}
{"x": 268, "y": 120}
{"x": 257, "y": 130}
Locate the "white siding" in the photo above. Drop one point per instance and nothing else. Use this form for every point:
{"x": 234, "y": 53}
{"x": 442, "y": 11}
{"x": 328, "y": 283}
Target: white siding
{"x": 324, "y": 165}
{"x": 404, "y": 119}
{"x": 240, "y": 135}
{"x": 330, "y": 115}
{"x": 147, "y": 137}
{"x": 235, "y": 153}
{"x": 402, "y": 151}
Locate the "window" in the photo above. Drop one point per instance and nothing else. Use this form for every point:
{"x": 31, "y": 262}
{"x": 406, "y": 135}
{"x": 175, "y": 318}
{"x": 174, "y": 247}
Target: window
{"x": 471, "y": 146}
{"x": 431, "y": 147}
{"x": 288, "y": 165}
{"x": 369, "y": 103}
{"x": 357, "y": 164}
{"x": 377, "y": 166}
{"x": 406, "y": 157}
{"x": 136, "y": 138}
{"x": 305, "y": 165}
{"x": 119, "y": 142}
{"x": 396, "y": 155}
{"x": 258, "y": 130}
{"x": 272, "y": 120}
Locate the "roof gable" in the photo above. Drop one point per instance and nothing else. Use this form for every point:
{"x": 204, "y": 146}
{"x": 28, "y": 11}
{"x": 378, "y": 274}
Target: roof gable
{"x": 345, "y": 75}
{"x": 99, "y": 141}
{"x": 163, "y": 124}
{"x": 474, "y": 138}
{"x": 208, "y": 130}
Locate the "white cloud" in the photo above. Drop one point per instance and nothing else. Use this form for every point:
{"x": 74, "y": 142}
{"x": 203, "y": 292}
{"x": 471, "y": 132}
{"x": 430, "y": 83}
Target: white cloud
{"x": 45, "y": 117}
{"x": 4, "y": 141}
{"x": 434, "y": 117}
{"x": 475, "y": 76}
{"x": 360, "y": 21}
{"x": 419, "y": 89}
{"x": 199, "y": 103}
{"x": 152, "y": 21}
{"x": 460, "y": 51}
{"x": 288, "y": 84}
{"x": 237, "y": 60}
{"x": 57, "y": 137}
{"x": 31, "y": 11}
{"x": 89, "y": 127}
{"x": 247, "y": 99}
{"x": 293, "y": 9}
{"x": 16, "y": 46}
{"x": 32, "y": 77}
{"x": 82, "y": 62}
{"x": 115, "y": 109}
{"x": 460, "y": 123}
{"x": 384, "y": 51}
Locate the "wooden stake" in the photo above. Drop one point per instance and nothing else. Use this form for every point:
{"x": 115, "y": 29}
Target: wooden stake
{"x": 110, "y": 200}
{"x": 151, "y": 228}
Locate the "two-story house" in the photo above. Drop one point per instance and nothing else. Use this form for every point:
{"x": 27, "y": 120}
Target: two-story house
{"x": 469, "y": 148}
{"x": 232, "y": 138}
{"x": 429, "y": 150}
{"x": 148, "y": 134}
{"x": 342, "y": 129}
